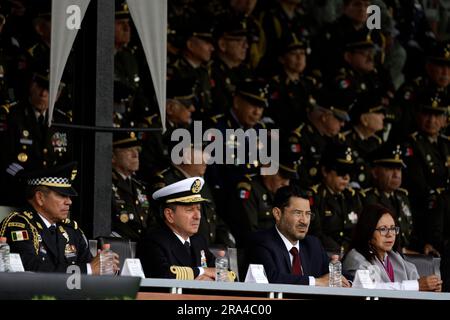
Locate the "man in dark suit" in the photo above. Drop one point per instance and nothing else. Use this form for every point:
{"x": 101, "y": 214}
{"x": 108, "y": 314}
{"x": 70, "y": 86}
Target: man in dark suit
{"x": 41, "y": 233}
{"x": 176, "y": 244}
{"x": 288, "y": 254}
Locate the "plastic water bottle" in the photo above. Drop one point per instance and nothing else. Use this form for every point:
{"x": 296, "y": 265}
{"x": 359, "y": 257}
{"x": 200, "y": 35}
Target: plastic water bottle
{"x": 4, "y": 255}
{"x": 106, "y": 260}
{"x": 335, "y": 268}
{"x": 221, "y": 268}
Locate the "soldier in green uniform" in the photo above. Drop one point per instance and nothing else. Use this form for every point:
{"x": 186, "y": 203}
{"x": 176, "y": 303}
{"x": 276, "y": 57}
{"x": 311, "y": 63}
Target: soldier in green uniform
{"x": 131, "y": 212}
{"x": 179, "y": 109}
{"x": 367, "y": 116}
{"x": 436, "y": 80}
{"x": 328, "y": 46}
{"x": 250, "y": 206}
{"x": 359, "y": 74}
{"x": 428, "y": 174}
{"x": 42, "y": 233}
{"x": 291, "y": 90}
{"x": 28, "y": 141}
{"x": 286, "y": 17}
{"x": 194, "y": 61}
{"x": 335, "y": 203}
{"x": 211, "y": 225}
{"x": 308, "y": 142}
{"x": 387, "y": 163}
{"x": 228, "y": 68}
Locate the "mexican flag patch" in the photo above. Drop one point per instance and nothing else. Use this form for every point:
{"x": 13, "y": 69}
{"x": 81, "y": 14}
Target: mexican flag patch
{"x": 20, "y": 235}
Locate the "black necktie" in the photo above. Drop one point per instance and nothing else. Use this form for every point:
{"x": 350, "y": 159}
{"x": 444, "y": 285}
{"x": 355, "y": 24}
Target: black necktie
{"x": 41, "y": 120}
{"x": 54, "y": 236}
{"x": 187, "y": 245}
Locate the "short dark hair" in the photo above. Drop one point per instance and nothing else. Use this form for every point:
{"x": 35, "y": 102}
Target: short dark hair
{"x": 364, "y": 229}
{"x": 284, "y": 194}
{"x": 30, "y": 191}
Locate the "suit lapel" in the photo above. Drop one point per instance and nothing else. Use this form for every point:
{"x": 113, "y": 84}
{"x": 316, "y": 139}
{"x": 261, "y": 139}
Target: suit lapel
{"x": 123, "y": 185}
{"x": 304, "y": 259}
{"x": 282, "y": 248}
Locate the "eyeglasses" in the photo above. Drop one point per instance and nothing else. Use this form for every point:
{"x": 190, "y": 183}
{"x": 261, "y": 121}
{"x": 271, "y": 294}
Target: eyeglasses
{"x": 384, "y": 230}
{"x": 304, "y": 214}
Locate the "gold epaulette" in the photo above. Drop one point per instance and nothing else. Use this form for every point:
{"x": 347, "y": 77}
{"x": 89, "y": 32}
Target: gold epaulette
{"x": 70, "y": 223}
{"x": 182, "y": 273}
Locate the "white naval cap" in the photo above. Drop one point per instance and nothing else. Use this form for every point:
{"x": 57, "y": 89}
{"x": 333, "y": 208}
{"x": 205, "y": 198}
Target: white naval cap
{"x": 184, "y": 191}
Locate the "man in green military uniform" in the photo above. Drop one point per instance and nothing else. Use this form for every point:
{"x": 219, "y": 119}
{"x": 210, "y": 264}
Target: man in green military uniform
{"x": 228, "y": 68}
{"x": 193, "y": 62}
{"x": 211, "y": 226}
{"x": 179, "y": 109}
{"x": 291, "y": 90}
{"x": 428, "y": 174}
{"x": 42, "y": 233}
{"x": 359, "y": 73}
{"x": 436, "y": 80}
{"x": 367, "y": 116}
{"x": 28, "y": 142}
{"x": 128, "y": 96}
{"x": 130, "y": 206}
{"x": 335, "y": 203}
{"x": 250, "y": 205}
{"x": 387, "y": 163}
{"x": 309, "y": 141}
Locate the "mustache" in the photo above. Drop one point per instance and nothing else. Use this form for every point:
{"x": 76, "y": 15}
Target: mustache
{"x": 302, "y": 225}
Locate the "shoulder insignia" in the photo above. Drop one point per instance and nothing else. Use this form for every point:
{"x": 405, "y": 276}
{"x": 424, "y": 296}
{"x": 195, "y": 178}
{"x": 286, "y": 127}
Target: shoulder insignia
{"x": 19, "y": 235}
{"x": 404, "y": 191}
{"x": 17, "y": 225}
{"x": 216, "y": 118}
{"x": 315, "y": 188}
{"x": 244, "y": 185}
{"x": 362, "y": 193}
{"x": 276, "y": 79}
{"x": 28, "y": 214}
{"x": 341, "y": 136}
{"x": 39, "y": 225}
{"x": 346, "y": 133}
{"x": 367, "y": 190}
{"x": 414, "y": 136}
{"x": 352, "y": 191}
{"x": 151, "y": 119}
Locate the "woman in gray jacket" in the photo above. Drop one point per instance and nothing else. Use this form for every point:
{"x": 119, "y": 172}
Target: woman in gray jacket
{"x": 375, "y": 246}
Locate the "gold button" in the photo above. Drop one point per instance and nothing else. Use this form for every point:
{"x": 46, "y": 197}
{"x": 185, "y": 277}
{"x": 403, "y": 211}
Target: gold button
{"x": 22, "y": 157}
{"x": 24, "y": 147}
{"x": 139, "y": 231}
{"x": 142, "y": 218}
{"x": 341, "y": 234}
{"x": 211, "y": 235}
{"x": 137, "y": 202}
{"x": 267, "y": 213}
{"x": 45, "y": 150}
{"x": 44, "y": 163}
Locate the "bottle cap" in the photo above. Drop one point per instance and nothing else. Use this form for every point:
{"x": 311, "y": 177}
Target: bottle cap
{"x": 3, "y": 240}
{"x": 106, "y": 246}
{"x": 335, "y": 257}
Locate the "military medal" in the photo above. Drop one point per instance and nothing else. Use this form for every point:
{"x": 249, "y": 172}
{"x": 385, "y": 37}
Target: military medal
{"x": 312, "y": 172}
{"x": 124, "y": 217}
{"x": 203, "y": 259}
